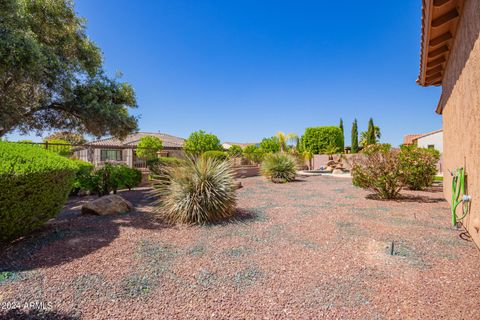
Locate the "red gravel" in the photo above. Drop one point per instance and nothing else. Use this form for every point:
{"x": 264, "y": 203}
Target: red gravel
{"x": 315, "y": 248}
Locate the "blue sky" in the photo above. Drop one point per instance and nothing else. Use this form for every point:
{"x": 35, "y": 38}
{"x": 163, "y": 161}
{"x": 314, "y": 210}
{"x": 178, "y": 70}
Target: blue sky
{"x": 247, "y": 69}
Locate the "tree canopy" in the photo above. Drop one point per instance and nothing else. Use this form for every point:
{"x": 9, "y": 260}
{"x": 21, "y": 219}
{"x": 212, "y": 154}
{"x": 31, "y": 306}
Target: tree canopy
{"x": 199, "y": 141}
{"x": 271, "y": 144}
{"x": 51, "y": 74}
{"x": 70, "y": 137}
{"x": 319, "y": 139}
{"x": 148, "y": 147}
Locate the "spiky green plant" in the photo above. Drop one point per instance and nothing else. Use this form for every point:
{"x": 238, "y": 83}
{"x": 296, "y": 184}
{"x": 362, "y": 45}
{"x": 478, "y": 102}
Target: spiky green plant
{"x": 279, "y": 167}
{"x": 197, "y": 191}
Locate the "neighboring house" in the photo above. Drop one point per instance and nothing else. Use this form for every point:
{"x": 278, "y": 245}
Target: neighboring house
{"x": 450, "y": 57}
{"x": 124, "y": 151}
{"x": 430, "y": 140}
{"x": 227, "y": 145}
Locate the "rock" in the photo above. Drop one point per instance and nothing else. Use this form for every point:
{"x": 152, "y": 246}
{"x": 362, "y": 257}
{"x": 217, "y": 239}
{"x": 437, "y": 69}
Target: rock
{"x": 83, "y": 193}
{"x": 328, "y": 168}
{"x": 337, "y": 171}
{"x": 331, "y": 163}
{"x": 107, "y": 205}
{"x": 238, "y": 185}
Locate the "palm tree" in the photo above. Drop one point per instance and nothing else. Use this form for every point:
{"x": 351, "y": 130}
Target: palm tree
{"x": 331, "y": 150}
{"x": 283, "y": 138}
{"x": 364, "y": 136}
{"x": 308, "y": 155}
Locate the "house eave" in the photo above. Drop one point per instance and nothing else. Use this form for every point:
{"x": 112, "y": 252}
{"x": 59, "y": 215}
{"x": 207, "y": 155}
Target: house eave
{"x": 439, "y": 24}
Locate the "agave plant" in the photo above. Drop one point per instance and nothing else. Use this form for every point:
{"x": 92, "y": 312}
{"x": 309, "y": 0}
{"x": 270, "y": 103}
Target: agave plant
{"x": 279, "y": 167}
{"x": 198, "y": 191}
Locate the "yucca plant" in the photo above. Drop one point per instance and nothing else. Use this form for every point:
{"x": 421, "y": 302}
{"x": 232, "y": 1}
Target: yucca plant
{"x": 279, "y": 167}
{"x": 197, "y": 191}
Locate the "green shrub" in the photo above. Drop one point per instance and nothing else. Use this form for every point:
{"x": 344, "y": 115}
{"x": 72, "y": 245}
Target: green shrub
{"x": 60, "y": 147}
{"x": 279, "y": 167}
{"x": 197, "y": 191}
{"x": 148, "y": 147}
{"x": 378, "y": 170}
{"x": 198, "y": 142}
{"x": 254, "y": 153}
{"x": 235, "y": 151}
{"x": 418, "y": 166}
{"x": 111, "y": 177}
{"x": 82, "y": 177}
{"x": 34, "y": 186}
{"x": 157, "y": 165}
{"x": 128, "y": 177}
{"x": 270, "y": 145}
{"x": 318, "y": 139}
{"x": 220, "y": 155}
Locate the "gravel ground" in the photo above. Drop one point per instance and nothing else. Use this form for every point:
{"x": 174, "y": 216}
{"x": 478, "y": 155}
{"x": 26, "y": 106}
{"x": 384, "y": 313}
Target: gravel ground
{"x": 315, "y": 248}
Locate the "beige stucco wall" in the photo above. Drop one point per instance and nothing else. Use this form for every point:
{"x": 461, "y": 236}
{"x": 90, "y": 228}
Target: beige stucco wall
{"x": 435, "y": 139}
{"x": 461, "y": 111}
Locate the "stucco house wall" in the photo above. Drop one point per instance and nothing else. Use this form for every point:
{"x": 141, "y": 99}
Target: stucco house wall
{"x": 460, "y": 102}
{"x": 435, "y": 139}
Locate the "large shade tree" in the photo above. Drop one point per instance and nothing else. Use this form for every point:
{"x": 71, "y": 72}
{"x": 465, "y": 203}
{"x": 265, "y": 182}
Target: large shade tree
{"x": 51, "y": 74}
{"x": 70, "y": 137}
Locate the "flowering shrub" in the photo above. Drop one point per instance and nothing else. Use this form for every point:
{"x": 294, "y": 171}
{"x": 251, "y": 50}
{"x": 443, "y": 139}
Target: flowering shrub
{"x": 379, "y": 170}
{"x": 418, "y": 166}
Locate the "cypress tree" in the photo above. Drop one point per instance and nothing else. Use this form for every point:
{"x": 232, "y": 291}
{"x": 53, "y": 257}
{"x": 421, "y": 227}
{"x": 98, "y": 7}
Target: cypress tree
{"x": 354, "y": 147}
{"x": 343, "y": 134}
{"x": 371, "y": 139}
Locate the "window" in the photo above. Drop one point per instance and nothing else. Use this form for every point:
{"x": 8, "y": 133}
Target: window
{"x": 110, "y": 155}
{"x": 431, "y": 146}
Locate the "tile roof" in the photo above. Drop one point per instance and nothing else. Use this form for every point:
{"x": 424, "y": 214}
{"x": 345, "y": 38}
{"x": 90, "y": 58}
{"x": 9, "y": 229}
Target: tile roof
{"x": 169, "y": 141}
{"x": 411, "y": 138}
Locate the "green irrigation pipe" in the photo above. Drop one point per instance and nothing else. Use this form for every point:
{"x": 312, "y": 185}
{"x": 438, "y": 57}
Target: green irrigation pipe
{"x": 458, "y": 188}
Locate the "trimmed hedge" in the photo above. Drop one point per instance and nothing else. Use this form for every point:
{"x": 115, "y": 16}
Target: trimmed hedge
{"x": 220, "y": 155}
{"x": 318, "y": 139}
{"x": 34, "y": 185}
{"x": 157, "y": 166}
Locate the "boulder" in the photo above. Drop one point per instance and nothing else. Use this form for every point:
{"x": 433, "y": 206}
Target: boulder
{"x": 238, "y": 184}
{"x": 107, "y": 205}
{"x": 331, "y": 163}
{"x": 337, "y": 171}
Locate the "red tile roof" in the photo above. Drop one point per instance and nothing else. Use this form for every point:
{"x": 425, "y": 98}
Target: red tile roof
{"x": 410, "y": 139}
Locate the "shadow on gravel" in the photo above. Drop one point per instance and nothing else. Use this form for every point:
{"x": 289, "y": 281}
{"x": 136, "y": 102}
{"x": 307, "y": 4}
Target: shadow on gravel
{"x": 72, "y": 236}
{"x": 31, "y": 314}
{"x": 407, "y": 198}
{"x": 242, "y": 216}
